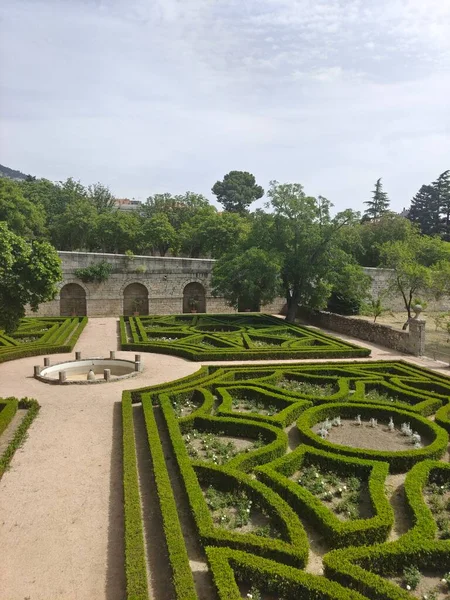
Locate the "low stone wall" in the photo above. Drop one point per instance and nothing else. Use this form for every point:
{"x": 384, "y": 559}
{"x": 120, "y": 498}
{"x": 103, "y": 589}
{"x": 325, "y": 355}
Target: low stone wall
{"x": 409, "y": 342}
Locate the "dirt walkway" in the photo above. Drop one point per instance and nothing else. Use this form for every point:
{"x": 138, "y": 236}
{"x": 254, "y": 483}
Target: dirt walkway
{"x": 61, "y": 515}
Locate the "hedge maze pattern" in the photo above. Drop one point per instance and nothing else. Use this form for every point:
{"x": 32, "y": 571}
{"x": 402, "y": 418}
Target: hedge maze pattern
{"x": 238, "y": 448}
{"x": 41, "y": 335}
{"x": 230, "y": 337}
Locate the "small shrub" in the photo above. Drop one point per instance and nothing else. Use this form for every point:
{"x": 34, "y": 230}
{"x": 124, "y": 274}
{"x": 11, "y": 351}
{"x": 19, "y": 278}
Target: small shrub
{"x": 411, "y": 577}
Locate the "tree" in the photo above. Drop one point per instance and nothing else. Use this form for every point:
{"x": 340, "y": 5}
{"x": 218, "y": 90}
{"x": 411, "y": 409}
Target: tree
{"x": 75, "y": 227}
{"x": 306, "y": 239}
{"x": 371, "y": 235}
{"x": 379, "y": 205}
{"x": 413, "y": 272}
{"x": 237, "y": 191}
{"x": 350, "y": 289}
{"x": 430, "y": 207}
{"x": 222, "y": 232}
{"x": 101, "y": 198}
{"x": 22, "y": 216}
{"x": 178, "y": 209}
{"x": 424, "y": 210}
{"x": 158, "y": 234}
{"x": 247, "y": 279}
{"x": 29, "y": 272}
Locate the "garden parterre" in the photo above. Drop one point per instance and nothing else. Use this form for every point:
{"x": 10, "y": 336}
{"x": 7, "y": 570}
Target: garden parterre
{"x": 254, "y": 496}
{"x": 41, "y": 335}
{"x": 243, "y": 336}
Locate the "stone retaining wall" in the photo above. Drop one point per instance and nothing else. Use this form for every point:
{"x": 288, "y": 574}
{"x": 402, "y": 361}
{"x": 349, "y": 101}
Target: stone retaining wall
{"x": 409, "y": 342}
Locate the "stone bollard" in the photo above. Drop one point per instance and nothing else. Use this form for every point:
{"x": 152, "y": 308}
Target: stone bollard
{"x": 137, "y": 358}
{"x": 62, "y": 376}
{"x": 112, "y": 355}
{"x": 107, "y": 374}
{"x": 137, "y": 365}
{"x": 77, "y": 355}
{"x": 37, "y": 370}
{"x": 46, "y": 361}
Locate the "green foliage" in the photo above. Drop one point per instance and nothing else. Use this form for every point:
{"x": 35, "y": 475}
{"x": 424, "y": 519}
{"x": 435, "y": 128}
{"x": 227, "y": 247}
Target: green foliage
{"x": 430, "y": 207}
{"x": 32, "y": 407}
{"x": 135, "y": 566}
{"x": 411, "y": 577}
{"x": 378, "y": 205}
{"x": 415, "y": 263}
{"x": 21, "y": 216}
{"x": 29, "y": 272}
{"x": 41, "y": 335}
{"x": 97, "y": 272}
{"x": 230, "y": 337}
{"x": 248, "y": 279}
{"x": 307, "y": 240}
{"x": 350, "y": 288}
{"x": 225, "y": 496}
{"x": 237, "y": 191}
{"x": 8, "y": 408}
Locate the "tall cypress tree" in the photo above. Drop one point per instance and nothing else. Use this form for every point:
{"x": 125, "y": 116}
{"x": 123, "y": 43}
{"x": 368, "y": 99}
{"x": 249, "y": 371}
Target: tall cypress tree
{"x": 379, "y": 205}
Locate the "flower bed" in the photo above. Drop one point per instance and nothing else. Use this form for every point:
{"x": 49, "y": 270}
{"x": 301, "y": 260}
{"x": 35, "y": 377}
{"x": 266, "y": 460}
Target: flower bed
{"x": 254, "y": 497}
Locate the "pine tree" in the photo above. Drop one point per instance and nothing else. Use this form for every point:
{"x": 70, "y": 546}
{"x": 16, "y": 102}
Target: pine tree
{"x": 430, "y": 207}
{"x": 442, "y": 187}
{"x": 379, "y": 205}
{"x": 424, "y": 210}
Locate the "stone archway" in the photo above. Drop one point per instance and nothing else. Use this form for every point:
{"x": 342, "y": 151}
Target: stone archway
{"x": 194, "y": 298}
{"x": 135, "y": 299}
{"x": 72, "y": 301}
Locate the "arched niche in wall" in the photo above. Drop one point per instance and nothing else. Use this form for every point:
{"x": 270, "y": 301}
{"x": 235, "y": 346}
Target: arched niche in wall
{"x": 135, "y": 299}
{"x": 194, "y": 298}
{"x": 72, "y": 301}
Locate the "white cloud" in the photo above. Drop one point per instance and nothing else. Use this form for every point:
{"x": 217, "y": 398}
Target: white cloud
{"x": 170, "y": 95}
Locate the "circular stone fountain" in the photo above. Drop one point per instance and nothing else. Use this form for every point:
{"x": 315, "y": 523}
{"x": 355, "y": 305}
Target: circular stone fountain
{"x": 88, "y": 370}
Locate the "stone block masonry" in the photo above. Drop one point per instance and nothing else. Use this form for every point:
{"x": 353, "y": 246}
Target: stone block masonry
{"x": 409, "y": 342}
{"x": 165, "y": 280}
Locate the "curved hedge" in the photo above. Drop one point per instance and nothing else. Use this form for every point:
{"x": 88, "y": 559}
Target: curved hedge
{"x": 399, "y": 461}
{"x": 54, "y": 335}
{"x": 235, "y": 402}
{"x": 248, "y": 336}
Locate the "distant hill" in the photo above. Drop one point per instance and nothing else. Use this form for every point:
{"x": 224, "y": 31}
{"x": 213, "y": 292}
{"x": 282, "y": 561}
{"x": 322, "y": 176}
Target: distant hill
{"x": 11, "y": 173}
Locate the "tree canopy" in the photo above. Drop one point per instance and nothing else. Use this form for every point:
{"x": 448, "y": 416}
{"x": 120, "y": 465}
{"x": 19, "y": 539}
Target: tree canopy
{"x": 29, "y": 272}
{"x": 237, "y": 191}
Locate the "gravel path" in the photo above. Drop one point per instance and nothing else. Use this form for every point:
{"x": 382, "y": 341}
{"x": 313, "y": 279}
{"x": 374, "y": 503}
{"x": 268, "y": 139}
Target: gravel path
{"x": 61, "y": 522}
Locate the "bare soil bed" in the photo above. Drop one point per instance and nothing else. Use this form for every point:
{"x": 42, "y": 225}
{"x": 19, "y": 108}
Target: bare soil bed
{"x": 370, "y": 438}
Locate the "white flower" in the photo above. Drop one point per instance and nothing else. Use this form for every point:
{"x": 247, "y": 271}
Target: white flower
{"x": 344, "y": 487}
{"x": 443, "y": 581}
{"x": 249, "y": 595}
{"x": 316, "y": 475}
{"x": 408, "y": 587}
{"x": 248, "y": 510}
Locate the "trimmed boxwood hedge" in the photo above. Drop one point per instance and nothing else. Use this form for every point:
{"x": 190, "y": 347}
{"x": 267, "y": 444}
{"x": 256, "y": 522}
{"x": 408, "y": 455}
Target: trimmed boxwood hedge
{"x": 362, "y": 557}
{"x": 365, "y": 568}
{"x": 32, "y": 407}
{"x": 231, "y": 337}
{"x": 60, "y": 335}
{"x": 228, "y": 565}
{"x": 8, "y": 408}
{"x": 399, "y": 461}
{"x": 337, "y": 533}
{"x": 135, "y": 565}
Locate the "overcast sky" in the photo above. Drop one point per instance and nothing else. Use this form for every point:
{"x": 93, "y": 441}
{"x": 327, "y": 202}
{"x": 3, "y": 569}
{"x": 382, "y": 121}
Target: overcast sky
{"x": 152, "y": 96}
